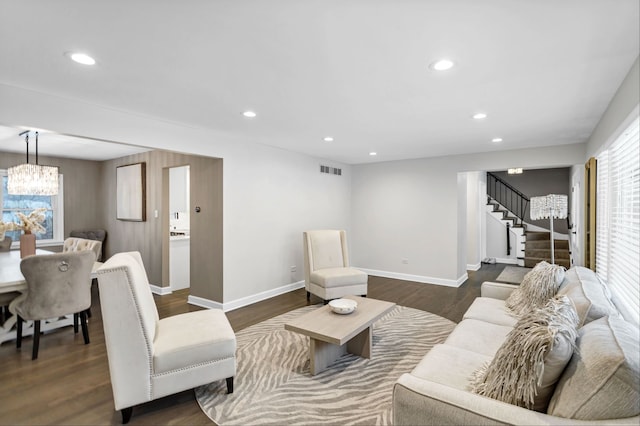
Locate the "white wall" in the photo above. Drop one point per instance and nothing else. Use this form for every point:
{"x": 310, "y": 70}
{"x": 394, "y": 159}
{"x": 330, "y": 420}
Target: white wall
{"x": 270, "y": 196}
{"x": 497, "y": 241}
{"x": 476, "y": 201}
{"x": 409, "y": 209}
{"x": 617, "y": 116}
{"x": 576, "y": 234}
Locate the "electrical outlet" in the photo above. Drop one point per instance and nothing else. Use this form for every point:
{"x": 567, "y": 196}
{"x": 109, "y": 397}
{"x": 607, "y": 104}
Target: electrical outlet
{"x": 293, "y": 268}
{"x": 405, "y": 261}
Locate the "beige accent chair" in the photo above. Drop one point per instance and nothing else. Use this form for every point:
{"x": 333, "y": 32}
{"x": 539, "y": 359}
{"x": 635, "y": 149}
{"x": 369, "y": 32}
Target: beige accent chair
{"x": 80, "y": 244}
{"x": 150, "y": 357}
{"x": 56, "y": 286}
{"x": 326, "y": 266}
{"x": 92, "y": 234}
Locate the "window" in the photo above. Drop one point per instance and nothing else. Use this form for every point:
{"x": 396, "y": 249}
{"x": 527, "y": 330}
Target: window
{"x": 54, "y": 216}
{"x": 618, "y": 220}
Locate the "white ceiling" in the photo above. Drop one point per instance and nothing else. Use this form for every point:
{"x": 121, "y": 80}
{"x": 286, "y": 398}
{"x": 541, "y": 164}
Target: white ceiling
{"x": 59, "y": 145}
{"x": 544, "y": 71}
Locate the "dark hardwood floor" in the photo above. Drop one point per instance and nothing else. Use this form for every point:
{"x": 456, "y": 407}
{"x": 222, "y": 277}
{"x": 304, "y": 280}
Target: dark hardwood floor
{"x": 69, "y": 382}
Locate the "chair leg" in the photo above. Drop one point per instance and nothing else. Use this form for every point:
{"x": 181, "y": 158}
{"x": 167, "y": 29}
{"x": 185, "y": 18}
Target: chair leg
{"x": 229, "y": 384}
{"x": 88, "y": 311}
{"x": 85, "y": 329}
{"x": 308, "y": 295}
{"x": 126, "y": 415}
{"x": 36, "y": 339}
{"x": 75, "y": 323}
{"x": 19, "y": 332}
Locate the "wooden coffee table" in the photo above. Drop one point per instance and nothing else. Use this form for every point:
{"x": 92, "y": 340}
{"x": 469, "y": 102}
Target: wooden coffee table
{"x": 332, "y": 335}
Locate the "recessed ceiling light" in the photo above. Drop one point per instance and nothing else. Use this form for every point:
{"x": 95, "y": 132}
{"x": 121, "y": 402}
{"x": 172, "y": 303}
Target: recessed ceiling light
{"x": 496, "y": 140}
{"x": 479, "y": 116}
{"x": 442, "y": 65}
{"x": 328, "y": 139}
{"x": 82, "y": 58}
{"x": 373, "y": 154}
{"x": 249, "y": 114}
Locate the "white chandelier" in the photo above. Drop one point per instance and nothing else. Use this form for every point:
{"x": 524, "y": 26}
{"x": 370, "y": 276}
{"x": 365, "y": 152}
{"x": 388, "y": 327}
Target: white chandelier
{"x": 552, "y": 206}
{"x": 32, "y": 179}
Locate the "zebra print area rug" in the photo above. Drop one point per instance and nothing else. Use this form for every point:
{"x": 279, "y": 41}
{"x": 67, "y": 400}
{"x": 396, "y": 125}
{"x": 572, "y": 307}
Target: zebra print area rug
{"x": 273, "y": 385}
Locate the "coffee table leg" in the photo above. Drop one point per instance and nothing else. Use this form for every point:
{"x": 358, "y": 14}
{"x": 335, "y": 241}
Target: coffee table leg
{"x": 322, "y": 354}
{"x": 361, "y": 344}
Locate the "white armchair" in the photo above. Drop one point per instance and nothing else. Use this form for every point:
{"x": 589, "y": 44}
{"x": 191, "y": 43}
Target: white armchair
{"x": 150, "y": 357}
{"x": 327, "y": 272}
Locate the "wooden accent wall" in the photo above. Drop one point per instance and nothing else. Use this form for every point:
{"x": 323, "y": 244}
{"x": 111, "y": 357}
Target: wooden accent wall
{"x": 151, "y": 237}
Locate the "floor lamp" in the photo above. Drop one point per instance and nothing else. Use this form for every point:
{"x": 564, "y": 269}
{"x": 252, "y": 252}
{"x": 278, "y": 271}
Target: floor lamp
{"x": 552, "y": 206}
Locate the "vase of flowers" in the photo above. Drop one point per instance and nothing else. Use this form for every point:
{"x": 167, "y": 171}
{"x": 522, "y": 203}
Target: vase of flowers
{"x": 30, "y": 225}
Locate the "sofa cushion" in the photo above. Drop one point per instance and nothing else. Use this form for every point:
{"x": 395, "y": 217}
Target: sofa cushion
{"x": 450, "y": 366}
{"x": 478, "y": 336}
{"x": 338, "y": 277}
{"x": 538, "y": 286}
{"x": 602, "y": 380}
{"x": 491, "y": 310}
{"x": 531, "y": 360}
{"x": 588, "y": 294}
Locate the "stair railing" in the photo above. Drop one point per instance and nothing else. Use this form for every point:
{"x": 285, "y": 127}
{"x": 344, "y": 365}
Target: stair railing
{"x": 508, "y": 196}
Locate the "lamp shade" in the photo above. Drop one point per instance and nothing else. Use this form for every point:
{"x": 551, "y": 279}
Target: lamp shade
{"x": 552, "y": 206}
{"x": 32, "y": 179}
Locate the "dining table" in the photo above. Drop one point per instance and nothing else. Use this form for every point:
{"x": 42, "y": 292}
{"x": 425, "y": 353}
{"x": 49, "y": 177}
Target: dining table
{"x": 11, "y": 279}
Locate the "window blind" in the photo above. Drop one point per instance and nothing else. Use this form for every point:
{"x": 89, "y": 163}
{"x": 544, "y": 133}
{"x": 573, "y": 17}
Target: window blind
{"x": 618, "y": 220}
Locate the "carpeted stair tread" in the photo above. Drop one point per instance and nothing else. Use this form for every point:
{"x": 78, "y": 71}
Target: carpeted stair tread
{"x": 542, "y": 253}
{"x": 537, "y": 236}
{"x": 546, "y": 244}
{"x": 530, "y": 262}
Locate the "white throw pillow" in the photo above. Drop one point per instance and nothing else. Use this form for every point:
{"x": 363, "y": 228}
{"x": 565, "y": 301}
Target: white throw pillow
{"x": 602, "y": 381}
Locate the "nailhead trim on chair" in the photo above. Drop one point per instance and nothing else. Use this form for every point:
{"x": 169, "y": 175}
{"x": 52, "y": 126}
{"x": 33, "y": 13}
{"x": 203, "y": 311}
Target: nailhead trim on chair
{"x": 215, "y": 361}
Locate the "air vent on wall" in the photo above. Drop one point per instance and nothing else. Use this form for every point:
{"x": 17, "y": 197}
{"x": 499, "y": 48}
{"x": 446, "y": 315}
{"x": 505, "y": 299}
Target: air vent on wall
{"x": 330, "y": 170}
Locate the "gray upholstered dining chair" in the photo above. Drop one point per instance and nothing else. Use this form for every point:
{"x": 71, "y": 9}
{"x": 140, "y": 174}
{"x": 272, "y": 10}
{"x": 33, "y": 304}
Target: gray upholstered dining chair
{"x": 326, "y": 266}
{"x": 80, "y": 244}
{"x": 56, "y": 286}
{"x": 92, "y": 234}
{"x": 5, "y": 243}
{"x": 150, "y": 357}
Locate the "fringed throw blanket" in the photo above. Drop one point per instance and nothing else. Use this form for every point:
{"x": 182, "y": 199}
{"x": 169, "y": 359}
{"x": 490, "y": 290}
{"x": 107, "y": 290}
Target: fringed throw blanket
{"x": 527, "y": 366}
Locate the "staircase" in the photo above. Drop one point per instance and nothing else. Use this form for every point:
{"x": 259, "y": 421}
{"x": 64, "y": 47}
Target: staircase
{"x": 509, "y": 205}
{"x": 514, "y": 224}
{"x": 538, "y": 248}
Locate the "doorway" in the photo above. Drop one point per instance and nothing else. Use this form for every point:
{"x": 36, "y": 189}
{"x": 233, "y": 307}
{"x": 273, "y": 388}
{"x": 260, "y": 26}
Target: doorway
{"x": 179, "y": 227}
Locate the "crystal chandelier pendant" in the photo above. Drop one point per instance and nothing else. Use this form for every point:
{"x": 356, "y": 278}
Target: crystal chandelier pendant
{"x": 32, "y": 179}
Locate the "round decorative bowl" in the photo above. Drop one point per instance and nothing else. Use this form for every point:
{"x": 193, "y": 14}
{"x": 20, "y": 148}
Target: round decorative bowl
{"x": 343, "y": 306}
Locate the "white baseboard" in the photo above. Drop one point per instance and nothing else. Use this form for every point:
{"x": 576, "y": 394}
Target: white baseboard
{"x": 244, "y": 301}
{"x": 160, "y": 290}
{"x": 507, "y": 261}
{"x": 474, "y": 267}
{"x": 204, "y": 303}
{"x": 417, "y": 278}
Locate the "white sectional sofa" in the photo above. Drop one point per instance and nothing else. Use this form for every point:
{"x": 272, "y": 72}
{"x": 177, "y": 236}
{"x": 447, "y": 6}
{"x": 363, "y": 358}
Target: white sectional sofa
{"x": 598, "y": 386}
